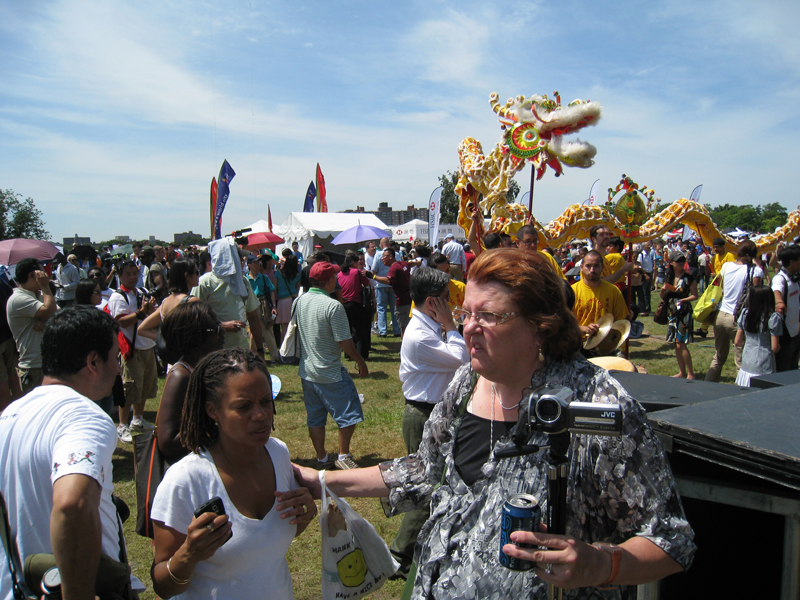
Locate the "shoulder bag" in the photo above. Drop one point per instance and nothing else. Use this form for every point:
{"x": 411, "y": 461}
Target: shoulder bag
{"x": 706, "y": 307}
{"x": 742, "y": 301}
{"x": 290, "y": 348}
{"x": 149, "y": 467}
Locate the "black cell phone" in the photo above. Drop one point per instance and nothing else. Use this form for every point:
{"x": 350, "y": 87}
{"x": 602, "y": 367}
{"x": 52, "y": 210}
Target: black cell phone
{"x": 214, "y": 505}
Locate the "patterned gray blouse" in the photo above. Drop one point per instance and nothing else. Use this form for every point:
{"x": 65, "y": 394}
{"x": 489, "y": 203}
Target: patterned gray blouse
{"x": 618, "y": 488}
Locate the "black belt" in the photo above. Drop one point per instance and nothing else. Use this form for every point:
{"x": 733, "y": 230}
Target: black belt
{"x": 425, "y": 407}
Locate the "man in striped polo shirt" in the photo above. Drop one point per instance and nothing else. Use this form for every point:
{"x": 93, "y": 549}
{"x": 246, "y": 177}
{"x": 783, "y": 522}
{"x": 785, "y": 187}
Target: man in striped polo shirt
{"x": 327, "y": 386}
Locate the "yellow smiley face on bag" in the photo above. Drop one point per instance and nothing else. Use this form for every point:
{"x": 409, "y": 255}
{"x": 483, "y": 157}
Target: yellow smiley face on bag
{"x": 352, "y": 568}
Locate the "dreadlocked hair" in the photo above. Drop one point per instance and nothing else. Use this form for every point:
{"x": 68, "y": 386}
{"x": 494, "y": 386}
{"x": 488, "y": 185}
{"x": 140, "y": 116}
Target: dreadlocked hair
{"x": 207, "y": 384}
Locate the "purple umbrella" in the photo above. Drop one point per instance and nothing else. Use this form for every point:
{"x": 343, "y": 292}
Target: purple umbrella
{"x": 359, "y": 233}
{"x": 13, "y": 251}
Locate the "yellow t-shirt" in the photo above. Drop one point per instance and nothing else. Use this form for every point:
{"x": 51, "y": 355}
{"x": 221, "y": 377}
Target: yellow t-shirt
{"x": 457, "y": 291}
{"x": 718, "y": 262}
{"x": 612, "y": 263}
{"x": 593, "y": 303}
{"x": 554, "y": 263}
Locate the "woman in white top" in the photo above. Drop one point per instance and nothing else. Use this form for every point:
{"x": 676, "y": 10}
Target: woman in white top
{"x": 227, "y": 424}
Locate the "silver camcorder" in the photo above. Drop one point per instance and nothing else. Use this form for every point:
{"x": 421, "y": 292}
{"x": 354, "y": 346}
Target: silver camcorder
{"x": 552, "y": 411}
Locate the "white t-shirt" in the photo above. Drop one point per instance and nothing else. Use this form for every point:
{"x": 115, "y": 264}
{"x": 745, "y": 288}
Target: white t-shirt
{"x": 106, "y": 296}
{"x": 122, "y": 303}
{"x": 51, "y": 432}
{"x": 252, "y": 564}
{"x": 734, "y": 277}
{"x": 790, "y": 290}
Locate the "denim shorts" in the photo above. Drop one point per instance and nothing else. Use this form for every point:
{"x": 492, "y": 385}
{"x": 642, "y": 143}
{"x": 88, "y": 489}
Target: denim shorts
{"x": 339, "y": 399}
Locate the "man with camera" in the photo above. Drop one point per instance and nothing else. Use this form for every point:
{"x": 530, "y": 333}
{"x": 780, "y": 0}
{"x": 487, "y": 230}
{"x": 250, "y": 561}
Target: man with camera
{"x": 57, "y": 484}
{"x": 30, "y": 305}
{"x": 129, "y": 306}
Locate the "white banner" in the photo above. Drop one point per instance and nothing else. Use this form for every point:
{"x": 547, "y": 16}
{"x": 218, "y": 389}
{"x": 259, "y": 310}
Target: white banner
{"x": 696, "y": 193}
{"x": 593, "y": 193}
{"x": 434, "y": 213}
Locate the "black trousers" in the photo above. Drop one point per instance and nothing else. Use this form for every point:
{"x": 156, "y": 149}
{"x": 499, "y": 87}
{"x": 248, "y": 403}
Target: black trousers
{"x": 359, "y": 328}
{"x": 788, "y": 356}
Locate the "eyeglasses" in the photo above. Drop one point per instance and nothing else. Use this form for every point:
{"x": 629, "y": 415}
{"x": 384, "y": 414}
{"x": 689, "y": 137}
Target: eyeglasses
{"x": 483, "y": 318}
{"x": 214, "y": 329}
{"x": 529, "y": 242}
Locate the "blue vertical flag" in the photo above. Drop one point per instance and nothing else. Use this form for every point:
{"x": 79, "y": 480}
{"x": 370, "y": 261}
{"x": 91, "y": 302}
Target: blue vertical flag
{"x": 311, "y": 195}
{"x": 226, "y": 174}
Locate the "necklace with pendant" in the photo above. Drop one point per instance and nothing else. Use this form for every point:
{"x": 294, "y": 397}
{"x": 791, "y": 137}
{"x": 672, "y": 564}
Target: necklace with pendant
{"x": 491, "y": 422}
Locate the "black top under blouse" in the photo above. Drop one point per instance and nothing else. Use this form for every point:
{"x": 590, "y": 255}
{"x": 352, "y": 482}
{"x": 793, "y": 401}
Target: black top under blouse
{"x": 472, "y": 445}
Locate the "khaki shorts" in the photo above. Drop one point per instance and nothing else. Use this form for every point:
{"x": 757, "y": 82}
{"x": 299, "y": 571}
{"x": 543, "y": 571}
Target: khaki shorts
{"x": 8, "y": 358}
{"x": 140, "y": 376}
{"x": 30, "y": 378}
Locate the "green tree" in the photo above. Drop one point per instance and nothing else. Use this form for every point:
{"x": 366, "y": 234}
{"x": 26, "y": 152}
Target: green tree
{"x": 773, "y": 215}
{"x": 20, "y": 218}
{"x": 450, "y": 200}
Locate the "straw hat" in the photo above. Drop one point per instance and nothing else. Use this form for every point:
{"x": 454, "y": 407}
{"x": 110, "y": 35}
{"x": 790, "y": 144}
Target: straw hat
{"x": 605, "y": 322}
{"x": 614, "y": 363}
{"x": 616, "y": 336}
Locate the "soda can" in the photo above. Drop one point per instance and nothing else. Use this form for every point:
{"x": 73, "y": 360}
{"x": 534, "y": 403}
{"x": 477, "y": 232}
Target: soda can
{"x": 521, "y": 512}
{"x": 51, "y": 584}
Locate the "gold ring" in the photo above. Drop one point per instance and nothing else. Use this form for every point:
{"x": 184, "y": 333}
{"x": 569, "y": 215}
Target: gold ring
{"x": 210, "y": 527}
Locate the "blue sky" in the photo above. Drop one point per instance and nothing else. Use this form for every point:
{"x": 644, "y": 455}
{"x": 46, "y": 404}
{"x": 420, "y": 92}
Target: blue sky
{"x": 114, "y": 116}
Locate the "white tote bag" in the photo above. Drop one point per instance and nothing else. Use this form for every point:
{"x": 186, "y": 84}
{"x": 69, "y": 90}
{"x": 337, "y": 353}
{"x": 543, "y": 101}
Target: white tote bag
{"x": 355, "y": 559}
{"x": 290, "y": 348}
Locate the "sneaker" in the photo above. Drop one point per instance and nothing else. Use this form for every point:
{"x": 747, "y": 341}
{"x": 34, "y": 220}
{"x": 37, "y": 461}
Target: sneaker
{"x": 328, "y": 463}
{"x": 346, "y": 463}
{"x": 124, "y": 434}
{"x": 141, "y": 426}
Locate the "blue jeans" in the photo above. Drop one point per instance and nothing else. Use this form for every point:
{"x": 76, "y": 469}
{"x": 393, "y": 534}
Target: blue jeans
{"x": 385, "y": 296}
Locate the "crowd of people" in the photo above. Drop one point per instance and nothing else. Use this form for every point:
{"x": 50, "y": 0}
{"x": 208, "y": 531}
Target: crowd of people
{"x": 480, "y": 333}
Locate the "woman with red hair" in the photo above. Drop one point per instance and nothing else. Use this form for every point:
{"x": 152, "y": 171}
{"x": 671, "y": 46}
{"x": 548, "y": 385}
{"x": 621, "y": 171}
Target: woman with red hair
{"x": 624, "y": 522}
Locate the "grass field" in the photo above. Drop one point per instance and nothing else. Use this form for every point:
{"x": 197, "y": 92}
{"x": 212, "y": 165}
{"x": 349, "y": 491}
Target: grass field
{"x": 377, "y": 439}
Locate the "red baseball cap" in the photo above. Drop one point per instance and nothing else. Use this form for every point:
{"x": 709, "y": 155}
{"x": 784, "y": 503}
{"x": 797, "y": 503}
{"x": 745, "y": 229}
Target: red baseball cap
{"x": 322, "y": 271}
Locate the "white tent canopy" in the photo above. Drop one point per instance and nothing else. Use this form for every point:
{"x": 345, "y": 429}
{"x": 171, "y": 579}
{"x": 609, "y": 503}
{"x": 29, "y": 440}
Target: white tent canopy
{"x": 261, "y": 226}
{"x": 412, "y": 231}
{"x": 306, "y": 228}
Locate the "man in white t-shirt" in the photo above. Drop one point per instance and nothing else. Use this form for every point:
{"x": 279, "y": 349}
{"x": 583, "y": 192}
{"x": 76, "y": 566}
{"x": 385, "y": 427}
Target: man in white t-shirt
{"x": 787, "y": 303}
{"x": 735, "y": 276}
{"x": 139, "y": 370}
{"x": 57, "y": 484}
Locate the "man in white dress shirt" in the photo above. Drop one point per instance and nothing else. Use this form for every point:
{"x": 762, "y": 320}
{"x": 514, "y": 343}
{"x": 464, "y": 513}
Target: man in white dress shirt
{"x": 431, "y": 352}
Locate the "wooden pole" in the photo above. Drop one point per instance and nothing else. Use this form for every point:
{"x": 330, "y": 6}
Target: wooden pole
{"x": 533, "y": 181}
{"x": 629, "y": 277}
